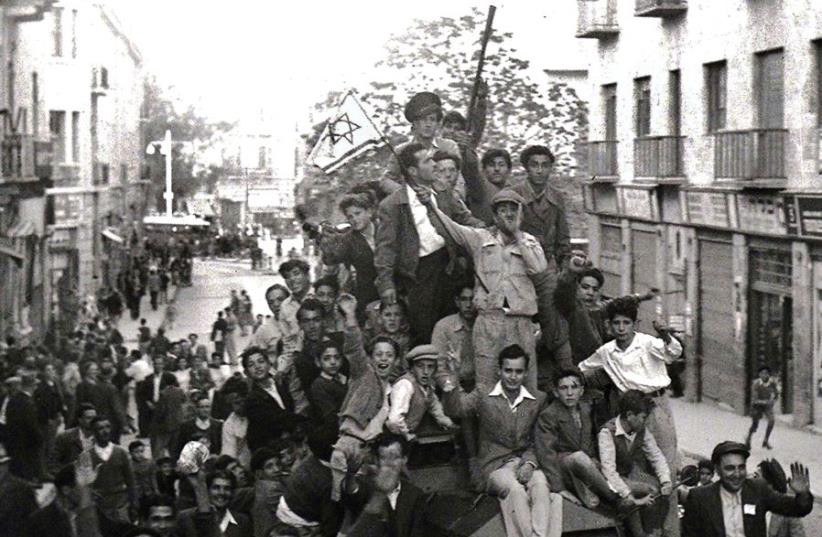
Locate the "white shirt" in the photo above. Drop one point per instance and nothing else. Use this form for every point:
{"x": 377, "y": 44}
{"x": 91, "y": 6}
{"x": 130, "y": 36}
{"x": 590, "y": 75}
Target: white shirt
{"x": 271, "y": 390}
{"x": 522, "y": 396}
{"x": 139, "y": 370}
{"x": 393, "y": 495}
{"x": 104, "y": 452}
{"x": 430, "y": 240}
{"x": 4, "y": 408}
{"x": 228, "y": 518}
{"x": 156, "y": 393}
{"x": 641, "y": 366}
{"x": 234, "y": 432}
{"x": 86, "y": 441}
{"x": 732, "y": 513}
{"x": 290, "y": 518}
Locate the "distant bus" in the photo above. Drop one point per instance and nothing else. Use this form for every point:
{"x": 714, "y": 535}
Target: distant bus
{"x": 161, "y": 228}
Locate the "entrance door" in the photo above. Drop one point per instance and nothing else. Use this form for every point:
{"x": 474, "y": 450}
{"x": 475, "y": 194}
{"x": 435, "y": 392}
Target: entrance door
{"x": 643, "y": 274}
{"x": 771, "y": 341}
{"x": 817, "y": 345}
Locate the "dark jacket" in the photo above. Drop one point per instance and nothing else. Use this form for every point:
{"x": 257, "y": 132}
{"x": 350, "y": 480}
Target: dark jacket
{"x": 106, "y": 400}
{"x": 353, "y": 250}
{"x": 397, "y": 241}
{"x": 544, "y": 217}
{"x": 307, "y": 494}
{"x": 67, "y": 447}
{"x": 556, "y": 434}
{"x": 703, "y": 509}
{"x": 191, "y": 523}
{"x": 407, "y": 520}
{"x": 49, "y": 401}
{"x": 144, "y": 393}
{"x": 189, "y": 427}
{"x": 586, "y": 328}
{"x": 267, "y": 421}
{"x": 23, "y": 437}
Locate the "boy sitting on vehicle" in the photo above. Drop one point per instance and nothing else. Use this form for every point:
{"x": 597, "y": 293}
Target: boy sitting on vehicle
{"x": 632, "y": 462}
{"x": 565, "y": 445}
{"x": 412, "y": 395}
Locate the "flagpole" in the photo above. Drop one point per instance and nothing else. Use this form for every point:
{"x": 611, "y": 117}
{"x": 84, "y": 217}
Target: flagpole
{"x": 414, "y": 185}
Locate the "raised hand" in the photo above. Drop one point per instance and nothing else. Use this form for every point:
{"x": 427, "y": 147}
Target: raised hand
{"x": 347, "y": 304}
{"x": 524, "y": 473}
{"x": 800, "y": 478}
{"x": 662, "y": 331}
{"x": 85, "y": 473}
{"x": 424, "y": 195}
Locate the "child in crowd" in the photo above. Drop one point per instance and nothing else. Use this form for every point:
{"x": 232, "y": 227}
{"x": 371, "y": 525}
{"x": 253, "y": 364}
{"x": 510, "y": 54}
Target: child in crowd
{"x": 412, "y": 395}
{"x": 145, "y": 471}
{"x": 271, "y": 470}
{"x": 706, "y": 472}
{"x": 166, "y": 477}
{"x": 390, "y": 320}
{"x": 764, "y": 392}
{"x": 328, "y": 390}
{"x": 366, "y": 405}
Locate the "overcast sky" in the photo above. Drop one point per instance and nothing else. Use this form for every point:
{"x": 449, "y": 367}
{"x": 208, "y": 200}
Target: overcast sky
{"x": 227, "y": 56}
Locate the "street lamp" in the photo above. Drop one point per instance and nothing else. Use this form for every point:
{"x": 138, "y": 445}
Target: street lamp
{"x": 163, "y": 147}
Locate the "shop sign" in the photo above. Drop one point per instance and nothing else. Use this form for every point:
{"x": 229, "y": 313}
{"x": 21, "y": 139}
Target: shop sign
{"x": 67, "y": 207}
{"x": 708, "y": 209}
{"x": 809, "y": 214}
{"x": 761, "y": 214}
{"x": 638, "y": 203}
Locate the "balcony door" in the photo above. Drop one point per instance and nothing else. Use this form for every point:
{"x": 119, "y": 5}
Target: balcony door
{"x": 770, "y": 89}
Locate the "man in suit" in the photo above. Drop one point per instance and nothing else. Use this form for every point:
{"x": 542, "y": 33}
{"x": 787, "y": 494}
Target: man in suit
{"x": 411, "y": 258}
{"x": 24, "y": 439}
{"x": 564, "y": 442}
{"x": 403, "y": 509}
{"x": 506, "y": 417}
{"x": 735, "y": 506}
{"x": 105, "y": 398}
{"x": 70, "y": 443}
{"x": 148, "y": 393}
{"x": 212, "y": 516}
{"x": 201, "y": 423}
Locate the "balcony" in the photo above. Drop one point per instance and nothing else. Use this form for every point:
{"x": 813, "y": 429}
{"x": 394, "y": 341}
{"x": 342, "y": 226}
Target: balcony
{"x": 597, "y": 19}
{"x": 17, "y": 159}
{"x": 26, "y": 10}
{"x": 602, "y": 160}
{"x": 660, "y": 8}
{"x": 99, "y": 80}
{"x": 659, "y": 157}
{"x": 751, "y": 155}
{"x": 65, "y": 173}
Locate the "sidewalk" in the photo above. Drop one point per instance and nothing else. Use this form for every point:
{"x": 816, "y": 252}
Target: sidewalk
{"x": 700, "y": 426}
{"x": 154, "y": 319}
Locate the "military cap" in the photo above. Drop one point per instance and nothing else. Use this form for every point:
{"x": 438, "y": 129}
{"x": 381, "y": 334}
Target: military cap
{"x": 728, "y": 446}
{"x": 532, "y": 150}
{"x": 421, "y": 352}
{"x": 422, "y": 104}
{"x": 506, "y": 194}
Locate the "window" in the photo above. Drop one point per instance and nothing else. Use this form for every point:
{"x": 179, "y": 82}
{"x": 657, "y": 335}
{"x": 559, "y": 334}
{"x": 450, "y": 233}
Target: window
{"x": 262, "y": 160}
{"x": 609, "y": 97}
{"x": 57, "y": 127}
{"x": 770, "y": 89}
{"x": 675, "y": 102}
{"x": 642, "y": 100}
{"x": 123, "y": 174}
{"x": 817, "y": 45}
{"x": 75, "y": 136}
{"x": 716, "y": 77}
{"x": 73, "y": 33}
{"x": 57, "y": 31}
{"x": 35, "y": 104}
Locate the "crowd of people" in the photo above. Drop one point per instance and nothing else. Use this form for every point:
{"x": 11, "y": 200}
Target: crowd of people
{"x": 464, "y": 315}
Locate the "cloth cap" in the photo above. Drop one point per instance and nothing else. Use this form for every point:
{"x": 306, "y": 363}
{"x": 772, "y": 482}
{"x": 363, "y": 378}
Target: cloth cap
{"x": 506, "y": 194}
{"x": 422, "y": 352}
{"x": 422, "y": 104}
{"x": 728, "y": 446}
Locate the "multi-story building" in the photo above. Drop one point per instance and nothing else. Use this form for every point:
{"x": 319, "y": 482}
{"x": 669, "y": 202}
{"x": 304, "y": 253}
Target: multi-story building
{"x": 705, "y": 158}
{"x": 74, "y": 81}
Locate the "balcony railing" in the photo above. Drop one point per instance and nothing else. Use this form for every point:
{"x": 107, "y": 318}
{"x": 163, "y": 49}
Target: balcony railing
{"x": 660, "y": 8}
{"x": 750, "y": 154}
{"x": 658, "y": 156}
{"x": 64, "y": 173}
{"x": 597, "y": 18}
{"x": 17, "y": 160}
{"x": 602, "y": 158}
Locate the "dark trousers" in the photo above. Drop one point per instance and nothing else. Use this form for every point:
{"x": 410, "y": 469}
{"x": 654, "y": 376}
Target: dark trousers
{"x": 428, "y": 295}
{"x": 154, "y": 295}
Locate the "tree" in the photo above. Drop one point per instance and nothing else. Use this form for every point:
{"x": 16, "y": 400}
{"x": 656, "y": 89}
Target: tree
{"x": 441, "y": 56}
{"x": 186, "y": 124}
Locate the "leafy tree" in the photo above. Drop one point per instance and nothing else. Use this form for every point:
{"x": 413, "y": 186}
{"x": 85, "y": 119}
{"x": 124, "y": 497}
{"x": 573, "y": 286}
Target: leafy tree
{"x": 441, "y": 56}
{"x": 186, "y": 125}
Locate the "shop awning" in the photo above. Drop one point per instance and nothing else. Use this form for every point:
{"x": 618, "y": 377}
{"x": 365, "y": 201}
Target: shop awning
{"x": 21, "y": 229}
{"x": 112, "y": 235}
{"x": 16, "y": 256}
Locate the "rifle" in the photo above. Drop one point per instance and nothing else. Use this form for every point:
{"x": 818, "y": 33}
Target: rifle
{"x": 486, "y": 36}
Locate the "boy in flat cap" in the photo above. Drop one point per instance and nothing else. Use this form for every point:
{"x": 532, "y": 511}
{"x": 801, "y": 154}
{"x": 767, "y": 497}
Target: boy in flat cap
{"x": 424, "y": 112}
{"x": 505, "y": 296}
{"x": 412, "y": 395}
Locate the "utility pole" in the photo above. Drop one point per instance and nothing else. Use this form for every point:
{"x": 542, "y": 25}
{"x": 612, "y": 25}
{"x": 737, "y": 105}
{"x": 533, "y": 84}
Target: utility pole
{"x": 168, "y": 195}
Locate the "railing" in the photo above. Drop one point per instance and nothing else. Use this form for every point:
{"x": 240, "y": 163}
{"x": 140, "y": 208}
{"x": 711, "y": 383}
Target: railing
{"x": 658, "y": 156}
{"x": 17, "y": 159}
{"x": 596, "y": 18}
{"x": 602, "y": 158}
{"x": 750, "y": 154}
{"x": 660, "y": 8}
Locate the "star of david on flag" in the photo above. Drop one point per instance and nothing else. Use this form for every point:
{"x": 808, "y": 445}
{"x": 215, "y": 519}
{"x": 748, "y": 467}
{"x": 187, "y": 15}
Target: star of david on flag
{"x": 348, "y": 133}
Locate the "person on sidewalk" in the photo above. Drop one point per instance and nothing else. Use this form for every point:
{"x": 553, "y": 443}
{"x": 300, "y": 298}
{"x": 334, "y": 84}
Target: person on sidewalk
{"x": 230, "y": 337}
{"x": 764, "y": 393}
{"x": 736, "y": 506}
{"x": 506, "y": 417}
{"x": 218, "y": 331}
{"x": 634, "y": 465}
{"x": 154, "y": 285}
